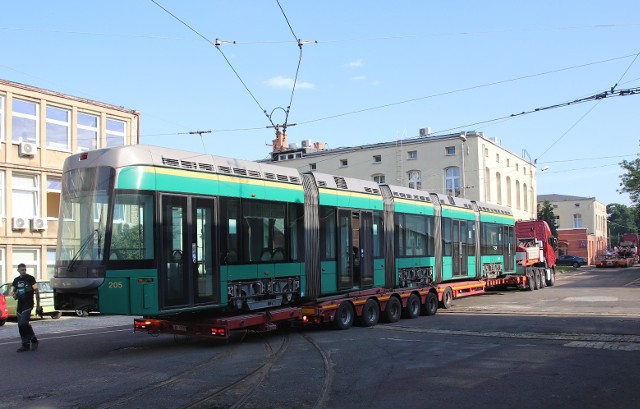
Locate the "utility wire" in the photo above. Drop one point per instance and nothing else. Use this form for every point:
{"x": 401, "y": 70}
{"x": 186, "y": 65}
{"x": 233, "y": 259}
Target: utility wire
{"x": 216, "y": 44}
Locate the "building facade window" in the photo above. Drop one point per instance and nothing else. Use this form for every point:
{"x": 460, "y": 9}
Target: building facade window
{"x": 58, "y": 128}
{"x": 487, "y": 185}
{"x": 344, "y": 163}
{"x": 577, "y": 220}
{"x": 115, "y": 132}
{"x": 452, "y": 182}
{"x": 508, "y": 181}
{"x": 54, "y": 188}
{"x": 498, "y": 188}
{"x": 497, "y": 157}
{"x": 24, "y": 195}
{"x": 2, "y": 118}
{"x": 525, "y": 198}
{"x": 88, "y": 131}
{"x": 30, "y": 257}
{"x": 414, "y": 181}
{"x": 25, "y": 121}
{"x": 450, "y": 150}
{"x": 51, "y": 261}
{"x": 3, "y": 265}
{"x": 377, "y": 158}
{"x": 412, "y": 155}
{"x": 2, "y": 214}
{"x": 517, "y": 194}
{"x": 379, "y": 178}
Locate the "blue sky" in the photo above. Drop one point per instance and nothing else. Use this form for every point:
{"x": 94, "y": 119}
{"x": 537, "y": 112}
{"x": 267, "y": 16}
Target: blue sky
{"x": 378, "y": 72}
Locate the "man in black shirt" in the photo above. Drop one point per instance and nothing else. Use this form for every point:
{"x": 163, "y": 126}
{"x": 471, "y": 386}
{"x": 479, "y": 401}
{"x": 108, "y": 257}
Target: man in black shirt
{"x": 23, "y": 289}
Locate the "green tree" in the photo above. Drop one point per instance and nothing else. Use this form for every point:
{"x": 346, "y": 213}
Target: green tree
{"x": 621, "y": 219}
{"x": 545, "y": 212}
{"x": 630, "y": 180}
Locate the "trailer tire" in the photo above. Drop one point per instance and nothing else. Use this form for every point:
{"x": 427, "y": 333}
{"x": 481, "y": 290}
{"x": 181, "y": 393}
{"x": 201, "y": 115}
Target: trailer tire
{"x": 536, "y": 279}
{"x": 430, "y": 306}
{"x": 542, "y": 280}
{"x": 412, "y": 310}
{"x": 393, "y": 310}
{"x": 530, "y": 285}
{"x": 370, "y": 314}
{"x": 552, "y": 280}
{"x": 447, "y": 298}
{"x": 344, "y": 316}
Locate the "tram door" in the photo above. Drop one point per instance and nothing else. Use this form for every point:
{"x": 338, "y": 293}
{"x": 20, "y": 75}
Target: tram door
{"x": 187, "y": 272}
{"x": 460, "y": 252}
{"x": 355, "y": 244}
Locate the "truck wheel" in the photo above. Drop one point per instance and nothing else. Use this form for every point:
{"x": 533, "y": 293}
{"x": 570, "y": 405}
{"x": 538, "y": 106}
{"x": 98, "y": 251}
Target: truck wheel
{"x": 447, "y": 298}
{"x": 56, "y": 314}
{"x": 344, "y": 316}
{"x": 536, "y": 279}
{"x": 552, "y": 280}
{"x": 82, "y": 313}
{"x": 2, "y": 322}
{"x": 430, "y": 306}
{"x": 412, "y": 310}
{"x": 393, "y": 310}
{"x": 370, "y": 314}
{"x": 542, "y": 279}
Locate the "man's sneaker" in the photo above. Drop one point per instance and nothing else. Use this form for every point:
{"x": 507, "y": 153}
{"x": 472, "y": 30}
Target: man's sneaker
{"x": 34, "y": 345}
{"x": 23, "y": 348}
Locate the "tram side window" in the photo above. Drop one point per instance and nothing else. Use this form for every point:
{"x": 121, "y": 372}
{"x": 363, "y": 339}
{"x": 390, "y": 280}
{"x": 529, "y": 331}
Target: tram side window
{"x": 446, "y": 237}
{"x": 328, "y": 233}
{"x": 430, "y": 236}
{"x": 400, "y": 239}
{"x": 296, "y": 231}
{"x": 229, "y": 215}
{"x": 263, "y": 231}
{"x": 416, "y": 231}
{"x": 471, "y": 237}
{"x": 378, "y": 234}
{"x": 132, "y": 229}
{"x": 491, "y": 238}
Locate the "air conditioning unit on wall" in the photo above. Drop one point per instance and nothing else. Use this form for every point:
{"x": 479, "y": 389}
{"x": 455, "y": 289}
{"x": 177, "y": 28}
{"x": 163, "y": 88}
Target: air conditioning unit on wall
{"x": 38, "y": 224}
{"x": 19, "y": 223}
{"x": 27, "y": 149}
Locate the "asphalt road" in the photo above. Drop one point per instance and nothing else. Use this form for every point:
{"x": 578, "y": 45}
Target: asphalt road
{"x": 576, "y": 344}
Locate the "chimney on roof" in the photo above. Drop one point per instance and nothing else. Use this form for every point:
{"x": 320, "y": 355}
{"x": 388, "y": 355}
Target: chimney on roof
{"x": 280, "y": 143}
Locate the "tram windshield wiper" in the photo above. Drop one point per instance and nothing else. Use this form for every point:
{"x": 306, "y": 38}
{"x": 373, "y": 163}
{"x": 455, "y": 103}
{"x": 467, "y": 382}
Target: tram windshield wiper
{"x": 83, "y": 246}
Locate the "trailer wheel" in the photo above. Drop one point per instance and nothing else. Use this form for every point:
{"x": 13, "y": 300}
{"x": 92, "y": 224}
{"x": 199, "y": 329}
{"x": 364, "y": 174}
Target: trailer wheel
{"x": 412, "y": 310}
{"x": 393, "y": 311}
{"x": 344, "y": 316}
{"x": 552, "y": 280}
{"x": 430, "y": 306}
{"x": 530, "y": 285}
{"x": 370, "y": 314}
{"x": 447, "y": 298}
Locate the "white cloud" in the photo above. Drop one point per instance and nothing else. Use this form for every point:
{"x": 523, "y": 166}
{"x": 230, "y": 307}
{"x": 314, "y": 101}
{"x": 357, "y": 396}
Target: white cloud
{"x": 282, "y": 82}
{"x": 355, "y": 63}
{"x": 359, "y": 78}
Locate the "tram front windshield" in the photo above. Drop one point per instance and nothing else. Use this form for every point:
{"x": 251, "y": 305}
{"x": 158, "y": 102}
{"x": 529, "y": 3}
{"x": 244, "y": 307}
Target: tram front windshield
{"x": 84, "y": 210}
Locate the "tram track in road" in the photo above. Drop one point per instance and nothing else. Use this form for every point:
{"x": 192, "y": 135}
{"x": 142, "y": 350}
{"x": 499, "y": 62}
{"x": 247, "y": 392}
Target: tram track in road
{"x": 623, "y": 342}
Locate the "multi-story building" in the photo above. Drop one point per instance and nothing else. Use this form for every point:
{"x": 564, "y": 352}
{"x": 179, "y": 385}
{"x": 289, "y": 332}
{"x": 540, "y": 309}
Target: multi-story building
{"x": 581, "y": 223}
{"x": 39, "y": 129}
{"x": 466, "y": 164}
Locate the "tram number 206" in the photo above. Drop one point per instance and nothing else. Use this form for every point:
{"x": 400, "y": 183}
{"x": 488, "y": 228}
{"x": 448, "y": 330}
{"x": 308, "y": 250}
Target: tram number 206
{"x": 115, "y": 285}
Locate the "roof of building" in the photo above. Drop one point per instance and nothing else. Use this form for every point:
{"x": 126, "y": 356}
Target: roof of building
{"x": 70, "y": 97}
{"x": 561, "y": 198}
